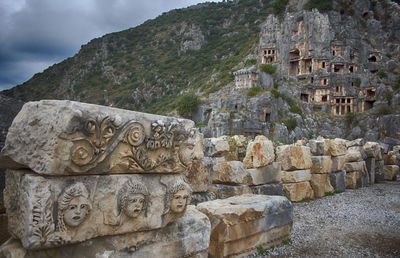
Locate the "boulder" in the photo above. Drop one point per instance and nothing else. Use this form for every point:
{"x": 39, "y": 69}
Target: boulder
{"x": 296, "y": 192}
{"x": 356, "y": 142}
{"x": 188, "y": 236}
{"x": 354, "y": 166}
{"x": 338, "y": 180}
{"x": 198, "y": 175}
{"x": 268, "y": 189}
{"x": 59, "y": 137}
{"x": 372, "y": 149}
{"x": 259, "y": 153}
{"x": 244, "y": 223}
{"x": 225, "y": 191}
{"x": 294, "y": 157}
{"x": 230, "y": 172}
{"x": 390, "y": 158}
{"x": 336, "y": 147}
{"x": 215, "y": 147}
{"x": 321, "y": 184}
{"x": 370, "y": 164}
{"x": 379, "y": 174}
{"x": 355, "y": 153}
{"x": 321, "y": 164}
{"x": 390, "y": 172}
{"x": 351, "y": 180}
{"x": 296, "y": 176}
{"x": 52, "y": 211}
{"x": 338, "y": 163}
{"x": 317, "y": 147}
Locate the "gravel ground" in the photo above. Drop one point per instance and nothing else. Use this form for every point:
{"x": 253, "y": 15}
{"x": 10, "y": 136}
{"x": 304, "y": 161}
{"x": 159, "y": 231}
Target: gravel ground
{"x": 356, "y": 223}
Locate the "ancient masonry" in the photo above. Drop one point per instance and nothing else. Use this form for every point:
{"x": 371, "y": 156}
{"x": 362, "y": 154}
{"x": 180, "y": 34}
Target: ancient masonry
{"x": 88, "y": 180}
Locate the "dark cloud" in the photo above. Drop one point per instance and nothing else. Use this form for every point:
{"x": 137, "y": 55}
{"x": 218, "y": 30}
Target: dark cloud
{"x": 38, "y": 33}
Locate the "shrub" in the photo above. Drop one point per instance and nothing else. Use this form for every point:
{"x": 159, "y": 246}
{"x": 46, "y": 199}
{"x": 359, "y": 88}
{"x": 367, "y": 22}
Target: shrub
{"x": 250, "y": 62}
{"x": 279, "y": 7}
{"x": 382, "y": 74}
{"x": 384, "y": 110}
{"x": 290, "y": 123}
{"x": 357, "y": 82}
{"x": 253, "y": 91}
{"x": 322, "y": 5}
{"x": 267, "y": 68}
{"x": 350, "y": 118}
{"x": 188, "y": 103}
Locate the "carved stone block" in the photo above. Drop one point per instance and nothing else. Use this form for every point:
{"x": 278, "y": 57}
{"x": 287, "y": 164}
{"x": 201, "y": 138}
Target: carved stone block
{"x": 51, "y": 211}
{"x": 225, "y": 191}
{"x": 54, "y": 137}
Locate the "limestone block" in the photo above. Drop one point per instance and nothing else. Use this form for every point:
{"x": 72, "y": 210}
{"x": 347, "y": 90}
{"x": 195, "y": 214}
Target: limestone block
{"x": 338, "y": 180}
{"x": 198, "y": 175}
{"x": 356, "y": 142}
{"x": 264, "y": 175}
{"x": 379, "y": 174}
{"x": 390, "y": 171}
{"x": 372, "y": 149}
{"x": 370, "y": 164}
{"x": 259, "y": 153}
{"x": 336, "y": 147}
{"x": 230, "y": 172}
{"x": 202, "y": 197}
{"x": 294, "y": 157}
{"x": 241, "y": 224}
{"x": 351, "y": 180}
{"x": 338, "y": 163}
{"x": 188, "y": 236}
{"x": 317, "y": 147}
{"x": 301, "y": 143}
{"x": 363, "y": 178}
{"x": 296, "y": 176}
{"x": 268, "y": 189}
{"x": 390, "y": 158}
{"x": 51, "y": 211}
{"x": 354, "y": 166}
{"x": 240, "y": 140}
{"x": 355, "y": 153}
{"x": 214, "y": 147}
{"x": 225, "y": 191}
{"x": 298, "y": 191}
{"x": 57, "y": 137}
{"x": 321, "y": 184}
{"x": 321, "y": 164}
{"x": 396, "y": 149}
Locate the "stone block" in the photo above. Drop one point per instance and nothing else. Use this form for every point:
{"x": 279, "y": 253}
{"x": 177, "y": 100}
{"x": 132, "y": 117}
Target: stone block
{"x": 294, "y": 157}
{"x": 338, "y": 163}
{"x": 321, "y": 164}
{"x": 226, "y": 191}
{"x": 242, "y": 224}
{"x": 188, "y": 236}
{"x": 259, "y": 153}
{"x": 264, "y": 175}
{"x": 338, "y": 181}
{"x": 354, "y": 166}
{"x": 268, "y": 189}
{"x": 240, "y": 140}
{"x": 351, "y": 180}
{"x": 198, "y": 175}
{"x": 379, "y": 174}
{"x": 396, "y": 149}
{"x": 390, "y": 172}
{"x": 372, "y": 150}
{"x": 230, "y": 172}
{"x": 390, "y": 158}
{"x": 321, "y": 184}
{"x": 336, "y": 147}
{"x": 215, "y": 147}
{"x": 363, "y": 178}
{"x": 202, "y": 197}
{"x": 59, "y": 137}
{"x": 354, "y": 154}
{"x": 370, "y": 164}
{"x": 317, "y": 147}
{"x": 296, "y": 192}
{"x": 356, "y": 142}
{"x": 46, "y": 212}
{"x": 296, "y": 176}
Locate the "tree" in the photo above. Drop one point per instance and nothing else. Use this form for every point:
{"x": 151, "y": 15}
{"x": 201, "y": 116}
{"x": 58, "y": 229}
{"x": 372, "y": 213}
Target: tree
{"x": 188, "y": 103}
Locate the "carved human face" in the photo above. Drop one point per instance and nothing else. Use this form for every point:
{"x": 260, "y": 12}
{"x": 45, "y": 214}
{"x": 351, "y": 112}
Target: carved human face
{"x": 179, "y": 201}
{"x": 186, "y": 154}
{"x": 134, "y": 205}
{"x": 76, "y": 211}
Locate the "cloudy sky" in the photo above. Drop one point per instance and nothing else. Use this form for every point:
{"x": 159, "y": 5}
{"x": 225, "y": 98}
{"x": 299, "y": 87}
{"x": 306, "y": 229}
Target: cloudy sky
{"x": 35, "y": 34}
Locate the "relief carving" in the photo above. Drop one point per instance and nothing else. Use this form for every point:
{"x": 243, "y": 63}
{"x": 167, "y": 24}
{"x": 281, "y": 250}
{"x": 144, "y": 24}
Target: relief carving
{"x": 132, "y": 199}
{"x": 177, "y": 198}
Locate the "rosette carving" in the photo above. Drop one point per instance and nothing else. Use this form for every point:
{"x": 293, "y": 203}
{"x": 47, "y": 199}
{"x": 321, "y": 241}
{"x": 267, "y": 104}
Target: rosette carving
{"x": 82, "y": 152}
{"x": 136, "y": 134}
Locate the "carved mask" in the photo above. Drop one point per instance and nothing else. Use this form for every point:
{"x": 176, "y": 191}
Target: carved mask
{"x": 179, "y": 201}
{"x": 76, "y": 211}
{"x": 134, "y": 205}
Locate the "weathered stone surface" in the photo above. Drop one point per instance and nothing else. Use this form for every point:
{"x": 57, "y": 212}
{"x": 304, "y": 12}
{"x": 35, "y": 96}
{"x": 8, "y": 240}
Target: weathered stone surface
{"x": 372, "y": 149}
{"x": 214, "y": 147}
{"x": 241, "y": 224}
{"x": 240, "y": 140}
{"x": 354, "y": 166}
{"x": 294, "y": 157}
{"x": 55, "y": 137}
{"x": 260, "y": 152}
{"x": 202, "y": 197}
{"x": 264, "y": 175}
{"x": 50, "y": 211}
{"x": 198, "y": 175}
{"x": 296, "y": 176}
{"x": 379, "y": 174}
{"x": 355, "y": 153}
{"x": 338, "y": 180}
{"x": 321, "y": 184}
{"x": 390, "y": 158}
{"x": 226, "y": 191}
{"x": 356, "y": 142}
{"x": 298, "y": 191}
{"x": 317, "y": 147}
{"x": 230, "y": 172}
{"x": 268, "y": 189}
{"x": 370, "y": 164}
{"x": 363, "y": 178}
{"x": 321, "y": 164}
{"x": 390, "y": 171}
{"x": 335, "y": 147}
{"x": 351, "y": 180}
{"x": 188, "y": 236}
{"x": 338, "y": 163}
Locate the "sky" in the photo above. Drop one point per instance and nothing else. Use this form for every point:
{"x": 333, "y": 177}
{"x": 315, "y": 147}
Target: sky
{"x": 36, "y": 34}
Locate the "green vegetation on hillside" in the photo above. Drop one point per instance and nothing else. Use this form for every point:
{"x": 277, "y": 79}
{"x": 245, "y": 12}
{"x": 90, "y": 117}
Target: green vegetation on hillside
{"x": 322, "y": 5}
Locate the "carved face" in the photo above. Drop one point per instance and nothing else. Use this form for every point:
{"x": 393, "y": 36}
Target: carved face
{"x": 179, "y": 201}
{"x": 76, "y": 211}
{"x": 134, "y": 205}
{"x": 186, "y": 154}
